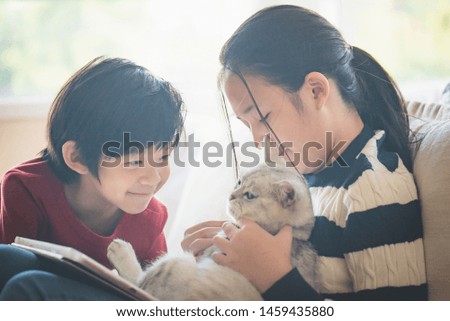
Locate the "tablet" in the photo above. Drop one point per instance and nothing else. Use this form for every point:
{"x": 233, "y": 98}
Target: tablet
{"x": 79, "y": 261}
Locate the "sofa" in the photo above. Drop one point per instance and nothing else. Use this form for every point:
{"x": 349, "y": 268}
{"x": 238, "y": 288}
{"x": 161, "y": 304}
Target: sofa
{"x": 430, "y": 124}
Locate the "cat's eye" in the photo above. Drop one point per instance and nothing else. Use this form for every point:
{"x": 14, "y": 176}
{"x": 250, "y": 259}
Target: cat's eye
{"x": 249, "y": 196}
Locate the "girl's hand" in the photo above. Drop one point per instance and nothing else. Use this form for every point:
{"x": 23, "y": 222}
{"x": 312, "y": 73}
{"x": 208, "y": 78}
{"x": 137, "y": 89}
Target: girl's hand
{"x": 261, "y": 257}
{"x": 199, "y": 237}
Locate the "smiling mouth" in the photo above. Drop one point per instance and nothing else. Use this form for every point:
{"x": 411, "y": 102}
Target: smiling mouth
{"x": 140, "y": 194}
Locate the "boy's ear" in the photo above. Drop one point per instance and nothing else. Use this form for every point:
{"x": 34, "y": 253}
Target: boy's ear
{"x": 315, "y": 89}
{"x": 72, "y": 157}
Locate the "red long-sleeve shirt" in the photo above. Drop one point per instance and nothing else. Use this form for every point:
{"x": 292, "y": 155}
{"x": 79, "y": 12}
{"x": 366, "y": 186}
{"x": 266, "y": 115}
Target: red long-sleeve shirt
{"x": 33, "y": 205}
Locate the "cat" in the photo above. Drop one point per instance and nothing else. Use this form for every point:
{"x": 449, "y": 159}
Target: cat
{"x": 271, "y": 196}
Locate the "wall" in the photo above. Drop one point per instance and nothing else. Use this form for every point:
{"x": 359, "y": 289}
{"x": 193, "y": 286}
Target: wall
{"x": 20, "y": 139}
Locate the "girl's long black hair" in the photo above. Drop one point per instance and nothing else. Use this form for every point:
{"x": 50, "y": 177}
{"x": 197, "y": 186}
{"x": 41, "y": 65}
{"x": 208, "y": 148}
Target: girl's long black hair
{"x": 285, "y": 43}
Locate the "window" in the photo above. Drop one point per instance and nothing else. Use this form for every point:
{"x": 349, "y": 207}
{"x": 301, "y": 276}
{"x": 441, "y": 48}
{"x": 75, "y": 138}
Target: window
{"x": 43, "y": 42}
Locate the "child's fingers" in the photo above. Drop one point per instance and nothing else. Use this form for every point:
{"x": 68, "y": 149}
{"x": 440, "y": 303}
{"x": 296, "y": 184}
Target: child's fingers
{"x": 230, "y": 229}
{"x": 199, "y": 245}
{"x": 219, "y": 258}
{"x": 204, "y": 230}
{"x": 245, "y": 221}
{"x": 285, "y": 233}
{"x": 222, "y": 243}
{"x": 203, "y": 225}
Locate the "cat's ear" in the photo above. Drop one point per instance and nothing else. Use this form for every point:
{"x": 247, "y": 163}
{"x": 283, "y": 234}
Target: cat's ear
{"x": 286, "y": 193}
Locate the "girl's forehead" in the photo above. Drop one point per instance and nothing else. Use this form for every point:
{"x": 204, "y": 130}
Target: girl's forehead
{"x": 235, "y": 83}
{"x": 239, "y": 90}
{"x": 240, "y": 96}
{"x": 236, "y": 91}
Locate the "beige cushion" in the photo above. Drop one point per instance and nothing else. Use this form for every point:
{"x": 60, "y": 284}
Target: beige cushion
{"x": 432, "y": 174}
{"x": 428, "y": 111}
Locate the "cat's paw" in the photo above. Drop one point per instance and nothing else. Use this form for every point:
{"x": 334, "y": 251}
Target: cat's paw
{"x": 118, "y": 251}
{"x": 121, "y": 255}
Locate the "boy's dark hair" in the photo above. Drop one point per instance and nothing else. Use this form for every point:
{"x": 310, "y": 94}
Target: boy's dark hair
{"x": 104, "y": 101}
{"x": 285, "y": 43}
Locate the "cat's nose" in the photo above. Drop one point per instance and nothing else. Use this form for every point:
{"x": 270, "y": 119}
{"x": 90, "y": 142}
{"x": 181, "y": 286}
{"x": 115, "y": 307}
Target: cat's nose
{"x": 232, "y": 197}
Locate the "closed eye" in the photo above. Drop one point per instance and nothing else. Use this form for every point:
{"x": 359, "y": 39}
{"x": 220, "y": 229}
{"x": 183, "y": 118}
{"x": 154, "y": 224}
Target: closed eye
{"x": 136, "y": 163}
{"x": 249, "y": 196}
{"x": 165, "y": 158}
{"x": 264, "y": 119}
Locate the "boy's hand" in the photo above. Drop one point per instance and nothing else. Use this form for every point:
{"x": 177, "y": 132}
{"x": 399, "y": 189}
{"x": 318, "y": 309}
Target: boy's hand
{"x": 199, "y": 237}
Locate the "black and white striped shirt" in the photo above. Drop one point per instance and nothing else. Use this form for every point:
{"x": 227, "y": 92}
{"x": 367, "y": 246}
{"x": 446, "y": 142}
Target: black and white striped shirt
{"x": 368, "y": 229}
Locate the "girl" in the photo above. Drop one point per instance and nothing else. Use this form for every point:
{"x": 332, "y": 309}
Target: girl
{"x": 111, "y": 129}
{"x": 338, "y": 117}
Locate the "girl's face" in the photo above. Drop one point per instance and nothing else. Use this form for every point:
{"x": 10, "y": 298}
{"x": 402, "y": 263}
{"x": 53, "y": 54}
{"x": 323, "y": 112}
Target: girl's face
{"x": 129, "y": 182}
{"x": 301, "y": 130}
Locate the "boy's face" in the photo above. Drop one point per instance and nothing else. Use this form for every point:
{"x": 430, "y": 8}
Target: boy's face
{"x": 129, "y": 182}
